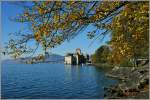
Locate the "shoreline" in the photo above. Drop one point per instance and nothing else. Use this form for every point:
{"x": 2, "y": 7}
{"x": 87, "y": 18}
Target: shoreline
{"x": 133, "y": 83}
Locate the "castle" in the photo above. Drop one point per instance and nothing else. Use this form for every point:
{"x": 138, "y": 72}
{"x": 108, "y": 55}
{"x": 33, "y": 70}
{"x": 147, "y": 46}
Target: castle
{"x": 76, "y": 58}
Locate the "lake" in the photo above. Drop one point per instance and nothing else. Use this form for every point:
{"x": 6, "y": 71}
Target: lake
{"x": 52, "y": 81}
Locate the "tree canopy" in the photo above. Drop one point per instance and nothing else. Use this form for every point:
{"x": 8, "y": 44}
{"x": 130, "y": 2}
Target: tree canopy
{"x": 130, "y": 32}
{"x": 101, "y": 55}
{"x": 53, "y": 22}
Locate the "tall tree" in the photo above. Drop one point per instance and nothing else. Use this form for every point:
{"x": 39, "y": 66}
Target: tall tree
{"x": 130, "y": 32}
{"x": 101, "y": 54}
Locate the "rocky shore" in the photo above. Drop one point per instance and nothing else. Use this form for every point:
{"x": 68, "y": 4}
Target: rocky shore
{"x": 133, "y": 83}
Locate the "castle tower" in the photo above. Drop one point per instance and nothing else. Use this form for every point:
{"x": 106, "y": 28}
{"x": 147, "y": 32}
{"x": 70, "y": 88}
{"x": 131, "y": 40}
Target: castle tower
{"x": 78, "y": 51}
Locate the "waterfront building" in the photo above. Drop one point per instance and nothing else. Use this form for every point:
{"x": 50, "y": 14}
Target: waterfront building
{"x": 75, "y": 58}
{"x": 69, "y": 58}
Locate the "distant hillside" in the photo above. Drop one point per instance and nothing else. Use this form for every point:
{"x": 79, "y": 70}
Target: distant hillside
{"x": 55, "y": 57}
{"x": 11, "y": 61}
{"x": 51, "y": 58}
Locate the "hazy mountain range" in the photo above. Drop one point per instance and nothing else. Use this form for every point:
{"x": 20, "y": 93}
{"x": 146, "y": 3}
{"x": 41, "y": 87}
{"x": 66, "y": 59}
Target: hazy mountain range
{"x": 51, "y": 58}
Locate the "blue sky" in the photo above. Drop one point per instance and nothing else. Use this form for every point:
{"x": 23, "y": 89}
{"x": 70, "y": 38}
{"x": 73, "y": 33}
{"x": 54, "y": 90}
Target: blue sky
{"x": 80, "y": 41}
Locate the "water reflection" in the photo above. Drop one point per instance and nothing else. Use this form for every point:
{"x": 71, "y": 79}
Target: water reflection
{"x": 73, "y": 72}
{"x": 92, "y": 77}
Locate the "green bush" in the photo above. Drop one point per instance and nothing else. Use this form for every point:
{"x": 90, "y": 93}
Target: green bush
{"x": 126, "y": 63}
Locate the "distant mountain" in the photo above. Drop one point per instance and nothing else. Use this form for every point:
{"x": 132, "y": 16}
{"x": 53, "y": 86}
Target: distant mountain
{"x": 11, "y": 61}
{"x": 55, "y": 57}
{"x": 50, "y": 58}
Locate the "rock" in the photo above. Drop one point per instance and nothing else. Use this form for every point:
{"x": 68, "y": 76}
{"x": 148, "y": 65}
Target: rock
{"x": 120, "y": 94}
{"x": 133, "y": 69}
{"x": 142, "y": 95}
{"x": 115, "y": 68}
{"x": 133, "y": 82}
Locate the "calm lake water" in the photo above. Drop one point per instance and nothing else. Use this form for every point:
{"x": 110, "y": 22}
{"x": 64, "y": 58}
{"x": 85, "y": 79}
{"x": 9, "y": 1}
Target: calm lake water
{"x": 49, "y": 81}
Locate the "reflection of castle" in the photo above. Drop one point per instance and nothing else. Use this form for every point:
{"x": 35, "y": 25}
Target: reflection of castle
{"x": 76, "y": 58}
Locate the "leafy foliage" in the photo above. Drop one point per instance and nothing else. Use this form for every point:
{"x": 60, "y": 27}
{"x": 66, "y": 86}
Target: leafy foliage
{"x": 17, "y": 48}
{"x": 129, "y": 32}
{"x": 53, "y": 22}
{"x": 101, "y": 55}
{"x": 126, "y": 63}
{"x": 130, "y": 35}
